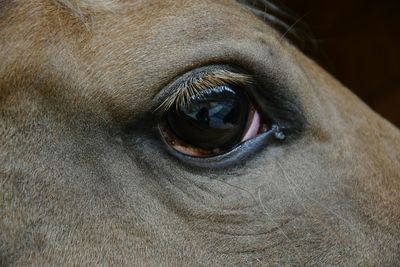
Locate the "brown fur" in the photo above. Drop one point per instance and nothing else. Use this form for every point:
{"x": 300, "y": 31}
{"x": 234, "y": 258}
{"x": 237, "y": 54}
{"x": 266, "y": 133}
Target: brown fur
{"x": 77, "y": 189}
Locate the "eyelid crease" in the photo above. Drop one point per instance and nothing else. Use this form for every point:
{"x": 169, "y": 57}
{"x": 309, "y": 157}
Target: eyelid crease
{"x": 194, "y": 85}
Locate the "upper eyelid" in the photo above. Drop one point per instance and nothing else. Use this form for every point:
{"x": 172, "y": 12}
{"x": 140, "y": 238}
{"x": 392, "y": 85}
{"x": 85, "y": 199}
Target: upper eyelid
{"x": 191, "y": 83}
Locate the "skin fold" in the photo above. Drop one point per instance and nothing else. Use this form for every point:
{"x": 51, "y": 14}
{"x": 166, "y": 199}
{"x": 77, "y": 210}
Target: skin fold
{"x": 77, "y": 188}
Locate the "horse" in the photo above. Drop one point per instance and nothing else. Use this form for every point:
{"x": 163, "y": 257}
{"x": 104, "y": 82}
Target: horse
{"x": 184, "y": 133}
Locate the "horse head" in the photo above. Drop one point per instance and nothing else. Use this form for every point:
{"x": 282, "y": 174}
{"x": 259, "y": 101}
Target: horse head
{"x": 184, "y": 133}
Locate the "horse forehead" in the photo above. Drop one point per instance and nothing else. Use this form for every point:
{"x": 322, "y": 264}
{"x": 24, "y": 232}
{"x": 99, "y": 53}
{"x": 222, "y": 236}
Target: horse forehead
{"x": 145, "y": 13}
{"x": 139, "y": 38}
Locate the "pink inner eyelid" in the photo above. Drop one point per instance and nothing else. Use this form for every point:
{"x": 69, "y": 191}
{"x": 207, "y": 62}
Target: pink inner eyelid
{"x": 254, "y": 127}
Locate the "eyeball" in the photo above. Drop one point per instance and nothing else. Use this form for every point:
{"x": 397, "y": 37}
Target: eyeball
{"x": 212, "y": 122}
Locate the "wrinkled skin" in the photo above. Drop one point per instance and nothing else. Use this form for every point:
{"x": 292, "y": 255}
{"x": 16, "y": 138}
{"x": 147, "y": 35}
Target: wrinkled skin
{"x": 77, "y": 188}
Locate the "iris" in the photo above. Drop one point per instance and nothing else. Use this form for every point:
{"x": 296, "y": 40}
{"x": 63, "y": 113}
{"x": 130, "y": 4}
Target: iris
{"x": 215, "y": 118}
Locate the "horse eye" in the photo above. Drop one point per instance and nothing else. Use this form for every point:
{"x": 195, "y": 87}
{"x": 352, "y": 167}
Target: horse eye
{"x": 212, "y": 122}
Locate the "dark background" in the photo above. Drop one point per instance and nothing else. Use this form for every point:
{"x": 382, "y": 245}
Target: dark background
{"x": 358, "y": 41}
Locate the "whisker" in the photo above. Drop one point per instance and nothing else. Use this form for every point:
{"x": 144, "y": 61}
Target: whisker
{"x": 279, "y": 228}
{"x": 292, "y": 188}
{"x": 291, "y": 27}
{"x": 269, "y": 216}
{"x": 284, "y": 21}
{"x": 292, "y": 182}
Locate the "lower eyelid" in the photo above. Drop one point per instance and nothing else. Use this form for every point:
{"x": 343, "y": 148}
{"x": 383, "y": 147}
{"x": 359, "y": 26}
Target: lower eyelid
{"x": 233, "y": 157}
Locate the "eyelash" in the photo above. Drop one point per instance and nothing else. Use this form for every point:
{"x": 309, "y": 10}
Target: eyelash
{"x": 194, "y": 86}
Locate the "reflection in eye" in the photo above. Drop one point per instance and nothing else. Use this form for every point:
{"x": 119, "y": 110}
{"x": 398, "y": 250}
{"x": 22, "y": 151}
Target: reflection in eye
{"x": 211, "y": 116}
{"x": 215, "y": 119}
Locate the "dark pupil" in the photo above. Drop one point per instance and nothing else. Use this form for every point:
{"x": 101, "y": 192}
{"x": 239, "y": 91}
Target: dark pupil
{"x": 214, "y": 119}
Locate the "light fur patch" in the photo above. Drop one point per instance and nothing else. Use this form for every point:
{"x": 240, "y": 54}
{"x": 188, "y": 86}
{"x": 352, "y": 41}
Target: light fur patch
{"x": 84, "y": 9}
